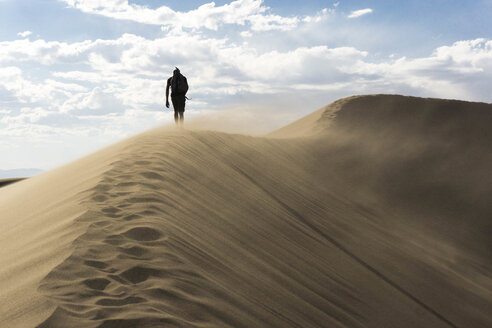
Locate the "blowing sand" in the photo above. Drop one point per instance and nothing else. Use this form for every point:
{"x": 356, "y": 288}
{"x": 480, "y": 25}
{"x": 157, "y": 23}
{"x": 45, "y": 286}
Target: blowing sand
{"x": 371, "y": 212}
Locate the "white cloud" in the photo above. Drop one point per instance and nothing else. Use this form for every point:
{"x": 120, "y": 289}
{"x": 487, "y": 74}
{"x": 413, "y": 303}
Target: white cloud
{"x": 323, "y": 14}
{"x": 131, "y": 70}
{"x": 25, "y": 91}
{"x": 272, "y": 22}
{"x": 360, "y": 12}
{"x": 45, "y": 52}
{"x": 209, "y": 16}
{"x": 80, "y": 76}
{"x": 24, "y": 34}
{"x": 470, "y": 55}
{"x": 246, "y": 34}
{"x": 457, "y": 71}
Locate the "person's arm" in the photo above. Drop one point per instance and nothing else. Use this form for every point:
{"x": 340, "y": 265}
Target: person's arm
{"x": 167, "y": 94}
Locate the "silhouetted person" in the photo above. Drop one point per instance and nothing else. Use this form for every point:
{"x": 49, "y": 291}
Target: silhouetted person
{"x": 179, "y": 87}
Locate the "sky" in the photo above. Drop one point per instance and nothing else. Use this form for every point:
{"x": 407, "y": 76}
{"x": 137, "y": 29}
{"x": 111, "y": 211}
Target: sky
{"x": 78, "y": 75}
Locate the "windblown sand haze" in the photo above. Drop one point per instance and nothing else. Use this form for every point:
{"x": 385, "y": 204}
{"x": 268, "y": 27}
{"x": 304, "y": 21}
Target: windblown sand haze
{"x": 373, "y": 211}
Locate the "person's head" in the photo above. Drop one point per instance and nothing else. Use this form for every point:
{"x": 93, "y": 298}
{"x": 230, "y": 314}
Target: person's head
{"x": 176, "y": 71}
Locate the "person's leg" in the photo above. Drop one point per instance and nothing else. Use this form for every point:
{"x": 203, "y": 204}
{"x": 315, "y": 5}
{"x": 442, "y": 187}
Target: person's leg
{"x": 179, "y": 105}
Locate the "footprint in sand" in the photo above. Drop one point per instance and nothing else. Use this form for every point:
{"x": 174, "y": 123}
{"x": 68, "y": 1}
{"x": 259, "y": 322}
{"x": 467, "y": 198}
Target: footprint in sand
{"x": 96, "y": 264}
{"x": 135, "y": 251}
{"x": 110, "y": 210}
{"x": 143, "y": 234}
{"x": 138, "y": 274}
{"x": 97, "y": 283}
{"x": 132, "y": 217}
{"x": 152, "y": 176}
{"x": 117, "y": 302}
{"x": 99, "y": 198}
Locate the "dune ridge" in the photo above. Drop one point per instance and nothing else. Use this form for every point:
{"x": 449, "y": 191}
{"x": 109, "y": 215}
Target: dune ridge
{"x": 351, "y": 217}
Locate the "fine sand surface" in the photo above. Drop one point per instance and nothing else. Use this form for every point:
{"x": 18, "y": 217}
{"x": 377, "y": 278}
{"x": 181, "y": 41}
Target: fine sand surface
{"x": 373, "y": 211}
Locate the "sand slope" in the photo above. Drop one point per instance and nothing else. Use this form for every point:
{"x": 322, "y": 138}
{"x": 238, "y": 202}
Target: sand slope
{"x": 371, "y": 212}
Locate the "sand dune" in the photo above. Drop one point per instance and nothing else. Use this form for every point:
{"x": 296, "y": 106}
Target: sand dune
{"x": 371, "y": 212}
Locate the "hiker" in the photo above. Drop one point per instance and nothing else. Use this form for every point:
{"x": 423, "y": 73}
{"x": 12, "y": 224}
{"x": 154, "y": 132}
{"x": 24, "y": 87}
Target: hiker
{"x": 179, "y": 87}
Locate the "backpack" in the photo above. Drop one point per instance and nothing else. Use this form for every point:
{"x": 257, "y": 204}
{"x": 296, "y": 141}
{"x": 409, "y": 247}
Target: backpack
{"x": 179, "y": 84}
